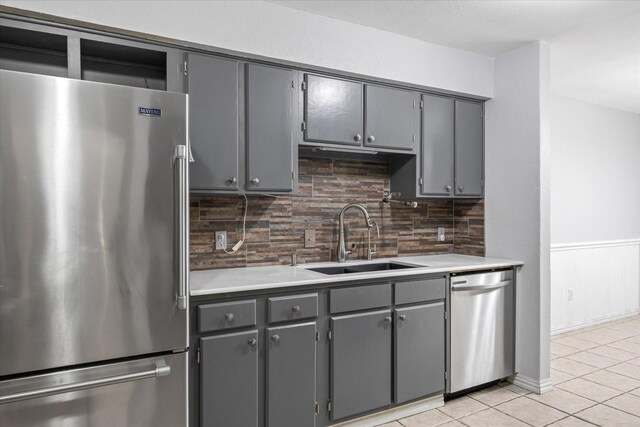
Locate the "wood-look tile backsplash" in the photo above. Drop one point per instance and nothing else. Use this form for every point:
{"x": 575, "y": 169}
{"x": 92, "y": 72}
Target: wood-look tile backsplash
{"x": 275, "y": 225}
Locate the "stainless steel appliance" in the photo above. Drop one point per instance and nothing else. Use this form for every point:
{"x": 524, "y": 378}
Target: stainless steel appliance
{"x": 482, "y": 330}
{"x": 93, "y": 254}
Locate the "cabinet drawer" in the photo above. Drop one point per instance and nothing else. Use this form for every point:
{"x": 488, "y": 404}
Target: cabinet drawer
{"x": 360, "y": 298}
{"x": 420, "y": 290}
{"x": 293, "y": 307}
{"x": 228, "y": 315}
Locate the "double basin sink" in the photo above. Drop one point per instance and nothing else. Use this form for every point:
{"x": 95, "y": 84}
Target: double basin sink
{"x": 362, "y": 268}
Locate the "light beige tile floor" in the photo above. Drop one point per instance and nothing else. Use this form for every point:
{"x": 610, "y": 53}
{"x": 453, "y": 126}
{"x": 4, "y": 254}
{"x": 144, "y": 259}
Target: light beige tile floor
{"x": 596, "y": 376}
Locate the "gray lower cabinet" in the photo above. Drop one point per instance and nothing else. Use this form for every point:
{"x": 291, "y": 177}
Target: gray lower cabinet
{"x": 333, "y": 110}
{"x": 291, "y": 375}
{"x": 268, "y": 127}
{"x": 212, "y": 84}
{"x": 469, "y": 149}
{"x": 229, "y": 380}
{"x": 419, "y": 351}
{"x": 391, "y": 118}
{"x": 360, "y": 362}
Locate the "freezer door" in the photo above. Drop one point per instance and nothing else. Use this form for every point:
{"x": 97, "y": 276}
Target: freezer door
{"x": 89, "y": 232}
{"x": 147, "y": 392}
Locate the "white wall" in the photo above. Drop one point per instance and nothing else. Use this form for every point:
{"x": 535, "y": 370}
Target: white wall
{"x": 517, "y": 198}
{"x": 595, "y": 171}
{"x": 595, "y": 213}
{"x": 275, "y": 31}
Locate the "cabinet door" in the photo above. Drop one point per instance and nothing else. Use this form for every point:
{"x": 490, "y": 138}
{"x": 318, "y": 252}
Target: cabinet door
{"x": 269, "y": 142}
{"x": 212, "y": 84}
{"x": 419, "y": 351}
{"x": 391, "y": 118}
{"x": 229, "y": 380}
{"x": 469, "y": 152}
{"x": 332, "y": 110}
{"x": 360, "y": 363}
{"x": 291, "y": 375}
{"x": 437, "y": 146}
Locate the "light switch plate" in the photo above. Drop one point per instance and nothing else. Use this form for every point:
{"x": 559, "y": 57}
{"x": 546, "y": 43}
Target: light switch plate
{"x": 310, "y": 238}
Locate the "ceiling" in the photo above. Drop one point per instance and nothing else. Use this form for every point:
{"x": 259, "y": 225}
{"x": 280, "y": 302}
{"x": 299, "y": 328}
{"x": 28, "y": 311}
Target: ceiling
{"x": 595, "y": 45}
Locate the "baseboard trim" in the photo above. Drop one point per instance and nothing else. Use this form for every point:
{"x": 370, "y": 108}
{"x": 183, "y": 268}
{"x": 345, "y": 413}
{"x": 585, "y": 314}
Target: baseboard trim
{"x": 539, "y": 387}
{"x": 594, "y": 322}
{"x": 396, "y": 413}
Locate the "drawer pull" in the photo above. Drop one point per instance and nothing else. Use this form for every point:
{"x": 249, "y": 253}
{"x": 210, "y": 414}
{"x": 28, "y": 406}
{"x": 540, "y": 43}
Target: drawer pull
{"x": 295, "y": 308}
{"x": 402, "y": 317}
{"x": 252, "y": 342}
{"x": 387, "y": 319}
{"x": 275, "y": 338}
{"x": 229, "y": 317}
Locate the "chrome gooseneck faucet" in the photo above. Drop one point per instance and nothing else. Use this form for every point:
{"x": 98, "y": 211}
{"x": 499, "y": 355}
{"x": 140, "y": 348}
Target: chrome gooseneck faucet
{"x": 342, "y": 252}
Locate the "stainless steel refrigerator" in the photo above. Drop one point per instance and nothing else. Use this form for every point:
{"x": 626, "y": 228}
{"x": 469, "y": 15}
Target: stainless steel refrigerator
{"x": 93, "y": 254}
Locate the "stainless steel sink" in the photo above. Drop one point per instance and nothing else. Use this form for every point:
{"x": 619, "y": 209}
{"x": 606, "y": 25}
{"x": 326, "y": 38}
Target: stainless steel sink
{"x": 361, "y": 268}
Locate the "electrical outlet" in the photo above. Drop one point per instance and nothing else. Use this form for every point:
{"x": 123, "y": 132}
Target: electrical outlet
{"x": 441, "y": 236}
{"x": 569, "y": 294}
{"x": 221, "y": 240}
{"x": 310, "y": 238}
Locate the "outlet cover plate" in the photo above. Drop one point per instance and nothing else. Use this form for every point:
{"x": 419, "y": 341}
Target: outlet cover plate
{"x": 221, "y": 240}
{"x": 310, "y": 238}
{"x": 441, "y": 235}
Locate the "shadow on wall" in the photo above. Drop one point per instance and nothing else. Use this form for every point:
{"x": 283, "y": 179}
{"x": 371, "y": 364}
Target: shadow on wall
{"x": 276, "y": 225}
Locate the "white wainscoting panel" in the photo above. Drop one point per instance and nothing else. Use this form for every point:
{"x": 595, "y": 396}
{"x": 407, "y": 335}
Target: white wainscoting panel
{"x": 603, "y": 278}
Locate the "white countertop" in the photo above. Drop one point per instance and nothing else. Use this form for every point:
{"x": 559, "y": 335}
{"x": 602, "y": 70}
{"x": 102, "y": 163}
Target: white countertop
{"x": 229, "y": 280}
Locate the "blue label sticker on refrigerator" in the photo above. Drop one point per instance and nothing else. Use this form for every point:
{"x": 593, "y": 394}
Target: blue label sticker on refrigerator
{"x": 151, "y": 112}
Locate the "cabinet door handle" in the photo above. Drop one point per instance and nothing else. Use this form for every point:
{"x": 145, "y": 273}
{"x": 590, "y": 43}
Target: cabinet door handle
{"x": 275, "y": 338}
{"x": 447, "y": 188}
{"x": 295, "y": 308}
{"x": 252, "y": 342}
{"x": 402, "y": 317}
{"x": 460, "y": 188}
{"x": 357, "y": 138}
{"x": 229, "y": 317}
{"x": 387, "y": 319}
{"x": 371, "y": 139}
{"x": 232, "y": 180}
{"x": 255, "y": 180}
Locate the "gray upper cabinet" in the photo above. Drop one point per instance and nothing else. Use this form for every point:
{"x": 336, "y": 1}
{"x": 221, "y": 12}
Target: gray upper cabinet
{"x": 360, "y": 363}
{"x": 332, "y": 110}
{"x": 391, "y": 118}
{"x": 229, "y": 380}
{"x": 212, "y": 84}
{"x": 437, "y": 146}
{"x": 291, "y": 376}
{"x": 419, "y": 351}
{"x": 268, "y": 121}
{"x": 469, "y": 150}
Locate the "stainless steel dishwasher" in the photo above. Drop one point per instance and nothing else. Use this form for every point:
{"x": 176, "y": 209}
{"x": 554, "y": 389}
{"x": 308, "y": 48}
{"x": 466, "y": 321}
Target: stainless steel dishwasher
{"x": 482, "y": 329}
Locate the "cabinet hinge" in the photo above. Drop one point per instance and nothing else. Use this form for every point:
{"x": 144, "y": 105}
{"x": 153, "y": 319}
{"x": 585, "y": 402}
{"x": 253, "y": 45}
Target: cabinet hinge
{"x": 445, "y": 375}
{"x": 185, "y": 67}
{"x": 303, "y": 86}
{"x": 329, "y": 335}
{"x": 317, "y": 409}
{"x": 328, "y": 406}
{"x": 421, "y": 104}
{"x": 317, "y": 339}
{"x": 445, "y": 316}
{"x": 198, "y": 356}
{"x": 303, "y": 126}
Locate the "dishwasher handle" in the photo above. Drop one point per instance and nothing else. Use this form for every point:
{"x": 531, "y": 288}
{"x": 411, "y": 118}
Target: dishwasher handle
{"x": 461, "y": 287}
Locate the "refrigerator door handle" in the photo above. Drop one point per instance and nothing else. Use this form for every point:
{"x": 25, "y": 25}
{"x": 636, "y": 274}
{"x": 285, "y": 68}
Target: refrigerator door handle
{"x": 181, "y": 157}
{"x": 159, "y": 370}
